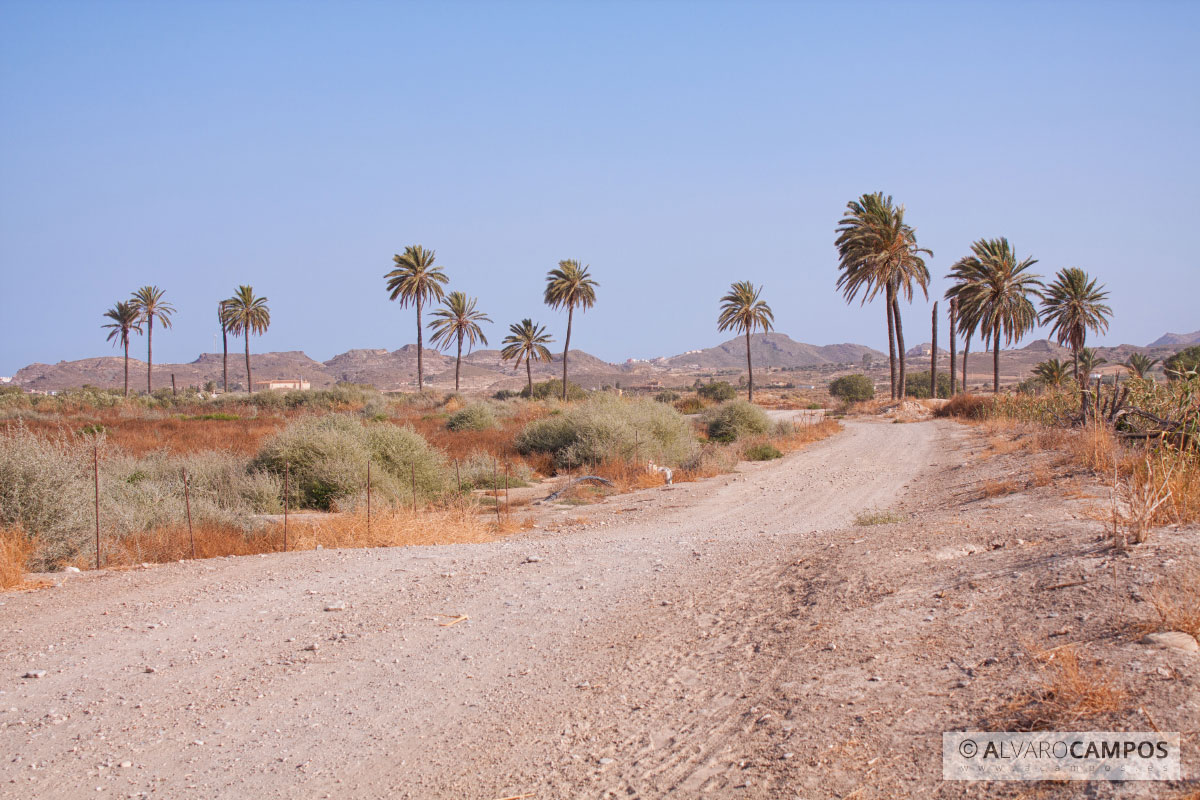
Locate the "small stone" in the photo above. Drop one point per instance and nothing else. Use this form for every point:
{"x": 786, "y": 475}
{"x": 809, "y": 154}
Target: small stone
{"x": 35, "y": 673}
{"x": 532, "y": 559}
{"x": 606, "y": 761}
{"x": 313, "y": 647}
{"x": 875, "y": 679}
{"x": 126, "y": 764}
{"x": 1174, "y": 640}
{"x": 336, "y": 607}
{"x": 151, "y": 670}
{"x": 72, "y": 569}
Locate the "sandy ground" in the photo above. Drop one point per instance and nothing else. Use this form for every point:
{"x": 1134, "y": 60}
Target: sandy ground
{"x": 737, "y": 637}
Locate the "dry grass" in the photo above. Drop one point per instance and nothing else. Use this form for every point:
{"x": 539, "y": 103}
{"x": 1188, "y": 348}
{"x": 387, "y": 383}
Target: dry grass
{"x": 176, "y": 434}
{"x": 1176, "y": 600}
{"x": 15, "y": 549}
{"x": 1000, "y": 488}
{"x": 1069, "y": 690}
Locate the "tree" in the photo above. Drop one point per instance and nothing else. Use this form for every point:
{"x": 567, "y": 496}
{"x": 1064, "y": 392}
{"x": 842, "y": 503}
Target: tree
{"x": 1184, "y": 362}
{"x": 965, "y": 276}
{"x": 920, "y": 385}
{"x": 1087, "y": 363}
{"x": 125, "y": 320}
{"x": 224, "y": 347}
{"x": 852, "y": 388}
{"x": 1074, "y": 304}
{"x": 742, "y": 311}
{"x": 151, "y": 305}
{"x": 1053, "y": 373}
{"x": 878, "y": 252}
{"x": 1138, "y": 364}
{"x": 566, "y": 287}
{"x": 416, "y": 280}
{"x": 953, "y": 344}
{"x": 526, "y": 340}
{"x": 458, "y": 322}
{"x": 244, "y": 315}
{"x": 998, "y": 288}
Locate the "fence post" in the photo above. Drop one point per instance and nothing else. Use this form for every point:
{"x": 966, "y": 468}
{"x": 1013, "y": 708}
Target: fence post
{"x": 96, "y": 477}
{"x": 368, "y": 497}
{"x": 496, "y": 490}
{"x": 636, "y": 447}
{"x": 458, "y": 475}
{"x": 413, "y": 464}
{"x": 173, "y": 393}
{"x": 187, "y": 502}
{"x": 286, "y": 480}
{"x": 506, "y": 487}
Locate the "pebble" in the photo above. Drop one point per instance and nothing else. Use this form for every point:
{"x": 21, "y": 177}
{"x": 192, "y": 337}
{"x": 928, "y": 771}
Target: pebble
{"x": 336, "y": 607}
{"x": 313, "y": 647}
{"x": 1174, "y": 640}
{"x": 151, "y": 670}
{"x": 35, "y": 673}
{"x": 532, "y": 559}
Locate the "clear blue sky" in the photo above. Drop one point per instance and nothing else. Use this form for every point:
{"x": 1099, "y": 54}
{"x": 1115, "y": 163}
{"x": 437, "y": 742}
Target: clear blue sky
{"x": 675, "y": 147}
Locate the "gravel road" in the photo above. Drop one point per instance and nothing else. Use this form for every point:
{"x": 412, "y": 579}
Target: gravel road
{"x": 648, "y": 650}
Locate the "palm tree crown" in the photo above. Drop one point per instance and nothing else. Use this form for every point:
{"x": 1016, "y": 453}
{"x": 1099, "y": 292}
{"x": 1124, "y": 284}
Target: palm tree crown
{"x": 742, "y": 311}
{"x": 526, "y": 341}
{"x": 458, "y": 322}
{"x": 1139, "y": 364}
{"x": 126, "y": 319}
{"x": 878, "y": 251}
{"x": 997, "y": 289}
{"x": 151, "y": 305}
{"x": 416, "y": 280}
{"x": 569, "y": 286}
{"x": 1088, "y": 362}
{"x": 1074, "y": 304}
{"x": 243, "y": 315}
{"x": 1052, "y": 373}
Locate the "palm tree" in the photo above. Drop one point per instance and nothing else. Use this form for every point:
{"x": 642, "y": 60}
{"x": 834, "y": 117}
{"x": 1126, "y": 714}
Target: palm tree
{"x": 878, "y": 251}
{"x": 742, "y": 311}
{"x": 526, "y": 340}
{"x": 1139, "y": 364}
{"x": 224, "y": 346}
{"x": 244, "y": 314}
{"x": 458, "y": 321}
{"x": 999, "y": 286}
{"x": 150, "y": 305}
{"x": 1075, "y": 305}
{"x": 966, "y": 278}
{"x": 416, "y": 280}
{"x": 1052, "y": 373}
{"x": 125, "y": 320}
{"x": 1088, "y": 361}
{"x": 566, "y": 287}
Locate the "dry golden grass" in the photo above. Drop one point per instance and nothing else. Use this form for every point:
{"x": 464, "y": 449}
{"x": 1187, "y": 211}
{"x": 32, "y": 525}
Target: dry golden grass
{"x": 15, "y": 549}
{"x": 1176, "y": 600}
{"x": 1069, "y": 690}
{"x": 1000, "y": 488}
{"x": 176, "y": 434}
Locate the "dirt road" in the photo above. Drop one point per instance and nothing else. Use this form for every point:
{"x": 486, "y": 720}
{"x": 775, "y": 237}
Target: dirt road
{"x": 730, "y": 638}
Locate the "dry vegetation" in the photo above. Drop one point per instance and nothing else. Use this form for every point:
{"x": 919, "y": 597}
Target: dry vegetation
{"x": 1069, "y": 690}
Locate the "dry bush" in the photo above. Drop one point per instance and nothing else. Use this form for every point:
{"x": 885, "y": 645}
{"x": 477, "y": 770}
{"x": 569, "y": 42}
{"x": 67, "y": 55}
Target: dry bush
{"x": 966, "y": 406}
{"x": 999, "y": 488}
{"x": 1176, "y": 600}
{"x": 1069, "y": 691}
{"x": 1040, "y": 475}
{"x": 150, "y": 431}
{"x": 16, "y": 548}
{"x": 792, "y": 437}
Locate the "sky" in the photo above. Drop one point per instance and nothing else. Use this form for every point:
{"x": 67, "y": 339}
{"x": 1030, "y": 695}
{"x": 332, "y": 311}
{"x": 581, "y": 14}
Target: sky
{"x": 673, "y": 147}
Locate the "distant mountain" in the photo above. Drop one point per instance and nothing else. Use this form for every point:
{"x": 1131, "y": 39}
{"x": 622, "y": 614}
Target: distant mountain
{"x": 770, "y": 350}
{"x": 1176, "y": 339}
{"x": 1047, "y": 347}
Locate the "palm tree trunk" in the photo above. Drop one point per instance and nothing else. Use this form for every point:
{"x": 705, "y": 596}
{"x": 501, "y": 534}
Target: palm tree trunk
{"x": 953, "y": 344}
{"x": 891, "y": 337}
{"x": 900, "y": 348}
{"x": 149, "y": 353}
{"x": 566, "y": 349}
{"x": 249, "y": 378}
{"x": 996, "y": 363}
{"x": 127, "y": 365}
{"x": 966, "y": 352}
{"x": 529, "y": 376}
{"x": 420, "y": 349}
{"x": 749, "y": 370}
{"x": 933, "y": 357}
{"x": 224, "y": 359}
{"x": 458, "y": 362}
{"x": 1075, "y": 358}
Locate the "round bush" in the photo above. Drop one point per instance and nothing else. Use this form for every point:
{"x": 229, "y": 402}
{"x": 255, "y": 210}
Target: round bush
{"x": 475, "y": 417}
{"x": 717, "y": 392}
{"x": 762, "y": 452}
{"x": 854, "y": 388}
{"x": 734, "y": 420}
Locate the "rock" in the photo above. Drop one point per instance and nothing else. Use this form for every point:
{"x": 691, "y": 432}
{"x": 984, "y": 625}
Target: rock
{"x": 35, "y": 673}
{"x": 71, "y": 569}
{"x": 151, "y": 670}
{"x": 1173, "y": 640}
{"x": 336, "y": 607}
{"x": 606, "y": 761}
{"x": 532, "y": 559}
{"x": 313, "y": 647}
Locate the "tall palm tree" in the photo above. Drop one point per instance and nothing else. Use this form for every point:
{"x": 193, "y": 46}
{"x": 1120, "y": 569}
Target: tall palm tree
{"x": 244, "y": 314}
{"x": 526, "y": 340}
{"x": 568, "y": 286}
{"x": 878, "y": 252}
{"x": 416, "y": 280}
{"x": 458, "y": 321}
{"x": 1087, "y": 362}
{"x": 1000, "y": 286}
{"x": 1075, "y": 305}
{"x": 742, "y": 311}
{"x": 151, "y": 305}
{"x": 1052, "y": 373}
{"x": 965, "y": 277}
{"x": 1139, "y": 364}
{"x": 125, "y": 320}
{"x": 224, "y": 346}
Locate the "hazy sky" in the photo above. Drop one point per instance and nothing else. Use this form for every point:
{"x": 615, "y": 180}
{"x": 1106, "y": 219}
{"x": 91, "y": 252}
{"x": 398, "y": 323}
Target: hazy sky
{"x": 675, "y": 147}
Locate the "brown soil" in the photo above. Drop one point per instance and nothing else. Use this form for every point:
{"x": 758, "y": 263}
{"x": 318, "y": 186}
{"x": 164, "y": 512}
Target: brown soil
{"x": 736, "y": 637}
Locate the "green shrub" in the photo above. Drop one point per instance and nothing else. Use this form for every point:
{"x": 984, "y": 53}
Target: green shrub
{"x": 546, "y": 390}
{"x": 482, "y": 471}
{"x": 1183, "y": 362}
{"x": 609, "y": 428}
{"x": 475, "y": 417}
{"x": 855, "y": 388}
{"x": 327, "y": 459}
{"x": 666, "y": 396}
{"x": 734, "y": 420}
{"x": 717, "y": 392}
{"x": 690, "y": 405}
{"x": 762, "y": 452}
{"x": 916, "y": 384}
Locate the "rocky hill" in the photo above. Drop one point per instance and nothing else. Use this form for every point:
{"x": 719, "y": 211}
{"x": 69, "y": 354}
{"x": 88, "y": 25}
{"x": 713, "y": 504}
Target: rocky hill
{"x": 770, "y": 350}
{"x": 1177, "y": 339}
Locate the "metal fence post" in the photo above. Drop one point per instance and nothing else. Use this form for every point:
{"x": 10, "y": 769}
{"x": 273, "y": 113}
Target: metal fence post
{"x": 187, "y": 501}
{"x": 368, "y": 497}
{"x": 96, "y": 477}
{"x": 286, "y": 476}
